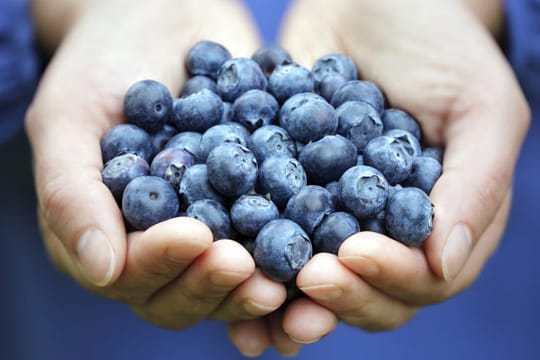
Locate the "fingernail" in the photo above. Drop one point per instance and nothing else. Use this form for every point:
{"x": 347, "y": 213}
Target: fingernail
{"x": 252, "y": 307}
{"x": 456, "y": 251}
{"x": 95, "y": 257}
{"x": 305, "y": 342}
{"x": 326, "y": 292}
{"x": 361, "y": 265}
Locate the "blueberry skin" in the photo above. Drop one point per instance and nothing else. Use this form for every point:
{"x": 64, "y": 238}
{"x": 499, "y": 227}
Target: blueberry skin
{"x": 407, "y": 139}
{"x": 399, "y": 119}
{"x": 288, "y": 80}
{"x": 334, "y": 64}
{"x": 206, "y": 58}
{"x": 250, "y": 213}
{"x": 424, "y": 173}
{"x": 359, "y": 122}
{"x": 221, "y": 134}
{"x": 212, "y": 214}
{"x": 363, "y": 190}
{"x": 333, "y": 189}
{"x": 325, "y": 160}
{"x": 309, "y": 206}
{"x": 232, "y": 169}
{"x": 239, "y": 75}
{"x": 374, "y": 224}
{"x": 327, "y": 86}
{"x": 389, "y": 156}
{"x": 160, "y": 138}
{"x": 227, "y": 112}
{"x": 198, "y": 112}
{"x": 333, "y": 231}
{"x": 196, "y": 186}
{"x": 269, "y": 57}
{"x": 126, "y": 138}
{"x": 282, "y": 249}
{"x": 359, "y": 90}
{"x": 189, "y": 141}
{"x": 360, "y": 159}
{"x": 171, "y": 164}
{"x": 149, "y": 200}
{"x": 197, "y": 83}
{"x": 408, "y": 216}
{"x": 281, "y": 178}
{"x": 272, "y": 140}
{"x": 308, "y": 117}
{"x": 120, "y": 170}
{"x": 148, "y": 105}
{"x": 254, "y": 109}
{"x": 434, "y": 152}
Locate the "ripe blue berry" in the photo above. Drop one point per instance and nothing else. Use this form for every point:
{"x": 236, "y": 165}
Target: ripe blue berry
{"x": 126, "y": 138}
{"x": 359, "y": 90}
{"x": 250, "y": 213}
{"x": 281, "y": 178}
{"x": 120, "y": 170}
{"x": 148, "y": 105}
{"x": 239, "y": 75}
{"x": 333, "y": 231}
{"x": 214, "y": 215}
{"x": 206, "y": 58}
{"x": 309, "y": 206}
{"x": 254, "y": 109}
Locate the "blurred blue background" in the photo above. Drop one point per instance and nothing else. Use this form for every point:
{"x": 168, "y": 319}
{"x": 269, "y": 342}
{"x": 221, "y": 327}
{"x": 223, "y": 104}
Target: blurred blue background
{"x": 45, "y": 315}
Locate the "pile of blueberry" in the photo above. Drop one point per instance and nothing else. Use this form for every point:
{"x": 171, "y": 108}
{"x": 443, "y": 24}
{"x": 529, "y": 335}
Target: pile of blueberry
{"x": 287, "y": 161}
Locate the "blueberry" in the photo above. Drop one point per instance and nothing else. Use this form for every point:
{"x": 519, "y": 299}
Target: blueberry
{"x": 333, "y": 231}
{"x": 282, "y": 249}
{"x": 214, "y": 215}
{"x": 250, "y": 213}
{"x": 206, "y": 58}
{"x": 334, "y": 64}
{"x": 189, "y": 141}
{"x": 363, "y": 191}
{"x": 197, "y": 83}
{"x": 308, "y": 117}
{"x": 171, "y": 164}
{"x": 148, "y": 104}
{"x": 359, "y": 122}
{"x": 359, "y": 90}
{"x": 325, "y": 160}
{"x": 434, "y": 152}
{"x": 232, "y": 169}
{"x": 407, "y": 139}
{"x": 374, "y": 224}
{"x": 196, "y": 186}
{"x": 220, "y": 134}
{"x": 424, "y": 173}
{"x": 408, "y": 216}
{"x": 160, "y": 138}
{"x": 288, "y": 80}
{"x": 149, "y": 200}
{"x": 239, "y": 75}
{"x": 254, "y": 109}
{"x": 272, "y": 140}
{"x": 126, "y": 138}
{"x": 389, "y": 156}
{"x": 281, "y": 178}
{"x": 309, "y": 206}
{"x": 120, "y": 170}
{"x": 269, "y": 57}
{"x": 399, "y": 119}
{"x": 198, "y": 112}
{"x": 327, "y": 86}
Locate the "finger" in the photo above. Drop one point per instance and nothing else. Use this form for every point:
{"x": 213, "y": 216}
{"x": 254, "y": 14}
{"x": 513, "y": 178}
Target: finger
{"x": 280, "y": 340}
{"x": 357, "y": 303}
{"x": 254, "y": 298}
{"x": 250, "y": 337}
{"x": 201, "y": 288}
{"x": 306, "y": 322}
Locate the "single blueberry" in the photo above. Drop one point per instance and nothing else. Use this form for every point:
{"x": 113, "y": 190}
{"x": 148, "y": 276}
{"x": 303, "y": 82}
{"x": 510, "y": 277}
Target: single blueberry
{"x": 359, "y": 90}
{"x": 408, "y": 216}
{"x": 407, "y": 139}
{"x": 363, "y": 190}
{"x": 126, "y": 138}
{"x": 327, "y": 86}
{"x": 197, "y": 83}
{"x": 221, "y": 134}
{"x": 389, "y": 156}
{"x": 424, "y": 173}
{"x": 288, "y": 80}
{"x": 250, "y": 213}
{"x": 198, "y": 112}
{"x": 171, "y": 164}
{"x": 359, "y": 122}
{"x": 254, "y": 109}
{"x": 160, "y": 138}
{"x": 308, "y": 117}
{"x": 232, "y": 169}
{"x": 269, "y": 57}
{"x": 333, "y": 231}
{"x": 309, "y": 206}
{"x": 281, "y": 178}
{"x": 272, "y": 140}
{"x": 206, "y": 58}
{"x": 149, "y": 200}
{"x": 120, "y": 170}
{"x": 334, "y": 64}
{"x": 212, "y": 214}
{"x": 189, "y": 141}
{"x": 196, "y": 186}
{"x": 325, "y": 160}
{"x": 282, "y": 249}
{"x": 434, "y": 152}
{"x": 239, "y": 75}
{"x": 399, "y": 119}
{"x": 148, "y": 104}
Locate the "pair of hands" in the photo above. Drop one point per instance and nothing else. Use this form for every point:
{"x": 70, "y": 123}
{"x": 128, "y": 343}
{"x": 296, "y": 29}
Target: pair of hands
{"x": 436, "y": 61}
